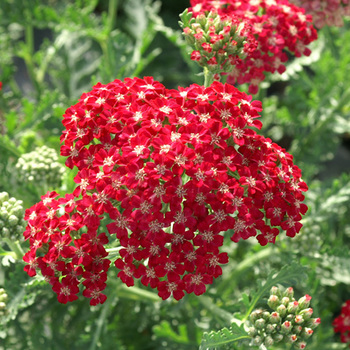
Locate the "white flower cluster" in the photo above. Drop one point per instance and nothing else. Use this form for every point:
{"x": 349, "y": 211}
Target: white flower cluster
{"x": 40, "y": 167}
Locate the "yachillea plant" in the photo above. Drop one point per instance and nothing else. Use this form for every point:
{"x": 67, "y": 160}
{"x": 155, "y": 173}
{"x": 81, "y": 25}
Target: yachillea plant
{"x": 172, "y": 169}
{"x": 341, "y": 323}
{"x": 270, "y": 29}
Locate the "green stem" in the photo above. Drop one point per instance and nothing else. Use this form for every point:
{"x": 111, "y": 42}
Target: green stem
{"x": 112, "y": 10}
{"x": 208, "y": 77}
{"x": 15, "y": 247}
{"x": 100, "y": 322}
{"x": 136, "y": 293}
{"x": 28, "y": 57}
{"x": 243, "y": 266}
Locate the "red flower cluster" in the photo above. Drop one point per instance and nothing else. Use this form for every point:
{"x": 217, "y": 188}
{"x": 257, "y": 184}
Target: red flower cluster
{"x": 341, "y": 324}
{"x": 325, "y": 12}
{"x": 276, "y": 25}
{"x": 171, "y": 170}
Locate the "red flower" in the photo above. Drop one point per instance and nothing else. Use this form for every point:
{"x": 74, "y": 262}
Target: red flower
{"x": 341, "y": 323}
{"x": 256, "y": 36}
{"x": 168, "y": 172}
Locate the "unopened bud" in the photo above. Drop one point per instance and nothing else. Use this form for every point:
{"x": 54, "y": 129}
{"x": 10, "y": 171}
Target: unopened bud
{"x": 300, "y": 345}
{"x": 313, "y": 323}
{"x": 285, "y": 301}
{"x": 273, "y": 301}
{"x": 292, "y": 338}
{"x": 252, "y": 332}
{"x": 268, "y": 341}
{"x": 307, "y": 313}
{"x": 286, "y": 327}
{"x": 277, "y": 337}
{"x": 260, "y": 323}
{"x": 270, "y": 328}
{"x": 297, "y": 329}
{"x": 298, "y": 319}
{"x": 275, "y": 291}
{"x": 307, "y": 332}
{"x": 265, "y": 315}
{"x": 304, "y": 302}
{"x": 256, "y": 314}
{"x": 292, "y": 307}
{"x": 275, "y": 317}
{"x": 289, "y": 292}
{"x": 257, "y": 341}
{"x": 282, "y": 310}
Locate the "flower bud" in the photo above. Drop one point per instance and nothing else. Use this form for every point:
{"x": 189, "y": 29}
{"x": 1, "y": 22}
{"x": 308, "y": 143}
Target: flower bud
{"x": 256, "y": 314}
{"x": 292, "y": 338}
{"x": 307, "y": 313}
{"x": 257, "y": 341}
{"x": 277, "y": 337}
{"x": 252, "y": 331}
{"x": 282, "y": 310}
{"x": 273, "y": 301}
{"x": 265, "y": 315}
{"x": 285, "y": 301}
{"x": 307, "y": 332}
{"x": 313, "y": 322}
{"x": 297, "y": 329}
{"x": 292, "y": 307}
{"x": 304, "y": 302}
{"x": 268, "y": 341}
{"x": 300, "y": 345}
{"x": 275, "y": 318}
{"x": 286, "y": 327}
{"x": 260, "y": 323}
{"x": 299, "y": 319}
{"x": 270, "y": 328}
{"x": 289, "y": 293}
{"x": 275, "y": 291}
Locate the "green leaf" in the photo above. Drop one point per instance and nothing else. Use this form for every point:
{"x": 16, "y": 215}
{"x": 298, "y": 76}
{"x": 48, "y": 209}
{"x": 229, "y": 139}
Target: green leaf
{"x": 164, "y": 330}
{"x": 215, "y": 340}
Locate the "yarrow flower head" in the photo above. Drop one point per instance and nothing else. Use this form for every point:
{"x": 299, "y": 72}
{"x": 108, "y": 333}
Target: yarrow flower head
{"x": 289, "y": 321}
{"x": 40, "y": 167}
{"x": 172, "y": 170}
{"x": 325, "y": 12}
{"x": 270, "y": 28}
{"x": 341, "y": 323}
{"x": 12, "y": 223}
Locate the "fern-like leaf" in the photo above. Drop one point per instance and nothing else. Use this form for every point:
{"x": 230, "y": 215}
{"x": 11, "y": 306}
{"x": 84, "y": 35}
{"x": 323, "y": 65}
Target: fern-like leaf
{"x": 216, "y": 340}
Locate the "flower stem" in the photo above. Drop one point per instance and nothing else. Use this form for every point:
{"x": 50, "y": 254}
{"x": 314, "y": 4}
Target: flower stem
{"x": 28, "y": 56}
{"x": 208, "y": 77}
{"x": 15, "y": 248}
{"x": 112, "y": 9}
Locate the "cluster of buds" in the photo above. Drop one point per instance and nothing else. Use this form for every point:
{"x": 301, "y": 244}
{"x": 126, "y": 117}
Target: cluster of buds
{"x": 325, "y": 12}
{"x": 40, "y": 168}
{"x": 12, "y": 223}
{"x": 3, "y": 299}
{"x": 271, "y": 28}
{"x": 341, "y": 323}
{"x": 216, "y": 40}
{"x": 289, "y": 322}
{"x": 172, "y": 169}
